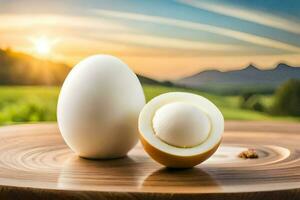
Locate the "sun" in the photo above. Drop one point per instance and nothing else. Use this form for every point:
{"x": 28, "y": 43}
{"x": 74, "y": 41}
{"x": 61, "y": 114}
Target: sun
{"x": 42, "y": 45}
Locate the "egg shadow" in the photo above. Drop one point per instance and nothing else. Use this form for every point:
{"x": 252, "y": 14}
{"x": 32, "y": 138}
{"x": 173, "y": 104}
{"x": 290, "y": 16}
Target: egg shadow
{"x": 173, "y": 178}
{"x": 85, "y": 173}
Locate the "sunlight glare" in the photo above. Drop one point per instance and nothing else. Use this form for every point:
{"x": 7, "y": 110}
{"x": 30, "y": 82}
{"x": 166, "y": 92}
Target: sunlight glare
{"x": 42, "y": 46}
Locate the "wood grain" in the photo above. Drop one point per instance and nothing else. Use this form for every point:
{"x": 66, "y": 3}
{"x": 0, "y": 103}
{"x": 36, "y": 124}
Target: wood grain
{"x": 35, "y": 163}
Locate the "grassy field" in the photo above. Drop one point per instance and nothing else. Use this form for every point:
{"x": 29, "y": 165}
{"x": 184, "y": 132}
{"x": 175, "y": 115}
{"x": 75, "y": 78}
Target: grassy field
{"x": 32, "y": 104}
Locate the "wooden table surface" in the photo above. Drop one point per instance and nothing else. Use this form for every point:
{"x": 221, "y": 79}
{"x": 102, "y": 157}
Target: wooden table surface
{"x": 35, "y": 163}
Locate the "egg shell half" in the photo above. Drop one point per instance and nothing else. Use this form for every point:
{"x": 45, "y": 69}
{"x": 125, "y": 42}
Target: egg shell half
{"x": 173, "y": 156}
{"x": 173, "y": 161}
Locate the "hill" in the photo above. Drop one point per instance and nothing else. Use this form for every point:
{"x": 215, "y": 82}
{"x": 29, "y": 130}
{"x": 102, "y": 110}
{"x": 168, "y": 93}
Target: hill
{"x": 237, "y": 81}
{"x": 147, "y": 80}
{"x": 22, "y": 69}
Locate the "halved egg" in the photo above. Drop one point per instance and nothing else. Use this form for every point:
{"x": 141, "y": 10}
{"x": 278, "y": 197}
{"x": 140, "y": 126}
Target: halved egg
{"x": 180, "y": 130}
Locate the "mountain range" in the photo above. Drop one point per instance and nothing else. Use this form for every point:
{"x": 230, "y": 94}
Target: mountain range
{"x": 236, "y": 81}
{"x": 23, "y": 69}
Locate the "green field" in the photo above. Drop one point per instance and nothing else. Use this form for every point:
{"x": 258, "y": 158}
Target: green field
{"x": 32, "y": 104}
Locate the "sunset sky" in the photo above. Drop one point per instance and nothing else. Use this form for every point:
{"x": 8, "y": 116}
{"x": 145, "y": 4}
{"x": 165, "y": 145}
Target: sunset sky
{"x": 163, "y": 39}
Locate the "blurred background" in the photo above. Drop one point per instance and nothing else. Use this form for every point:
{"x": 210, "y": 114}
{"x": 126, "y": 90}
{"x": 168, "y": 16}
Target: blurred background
{"x": 243, "y": 55}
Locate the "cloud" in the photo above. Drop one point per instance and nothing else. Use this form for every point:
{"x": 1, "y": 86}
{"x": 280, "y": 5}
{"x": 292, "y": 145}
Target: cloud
{"x": 165, "y": 42}
{"x": 26, "y": 21}
{"x": 84, "y": 27}
{"x": 17, "y": 29}
{"x": 247, "y": 15}
{"x": 247, "y": 37}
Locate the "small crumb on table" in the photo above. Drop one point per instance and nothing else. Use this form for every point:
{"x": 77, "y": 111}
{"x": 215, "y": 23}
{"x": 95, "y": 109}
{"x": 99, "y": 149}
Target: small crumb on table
{"x": 248, "y": 154}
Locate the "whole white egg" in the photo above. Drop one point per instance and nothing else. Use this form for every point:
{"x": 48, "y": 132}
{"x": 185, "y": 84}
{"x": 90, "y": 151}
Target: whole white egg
{"x": 98, "y": 108}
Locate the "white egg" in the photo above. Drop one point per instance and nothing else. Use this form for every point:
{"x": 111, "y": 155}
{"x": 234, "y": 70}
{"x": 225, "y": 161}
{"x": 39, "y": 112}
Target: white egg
{"x": 98, "y": 108}
{"x": 181, "y": 124}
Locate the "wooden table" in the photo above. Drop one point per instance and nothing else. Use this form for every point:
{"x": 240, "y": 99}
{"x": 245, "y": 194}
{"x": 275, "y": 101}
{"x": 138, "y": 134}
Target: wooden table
{"x": 36, "y": 164}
